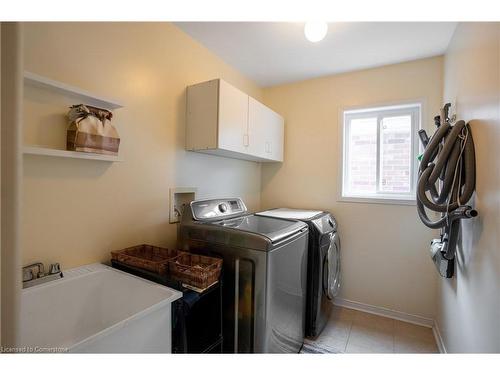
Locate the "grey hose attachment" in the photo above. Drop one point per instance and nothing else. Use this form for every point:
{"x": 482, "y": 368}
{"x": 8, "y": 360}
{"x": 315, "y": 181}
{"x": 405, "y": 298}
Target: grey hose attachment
{"x": 446, "y": 180}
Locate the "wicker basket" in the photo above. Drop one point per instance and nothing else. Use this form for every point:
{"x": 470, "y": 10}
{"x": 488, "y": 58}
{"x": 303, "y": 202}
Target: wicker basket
{"x": 196, "y": 270}
{"x": 151, "y": 258}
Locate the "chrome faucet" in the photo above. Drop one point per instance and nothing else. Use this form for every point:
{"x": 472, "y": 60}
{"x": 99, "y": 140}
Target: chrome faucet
{"x": 34, "y": 274}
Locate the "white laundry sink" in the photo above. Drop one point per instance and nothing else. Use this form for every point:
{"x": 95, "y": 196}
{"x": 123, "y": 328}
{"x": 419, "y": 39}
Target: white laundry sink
{"x": 97, "y": 309}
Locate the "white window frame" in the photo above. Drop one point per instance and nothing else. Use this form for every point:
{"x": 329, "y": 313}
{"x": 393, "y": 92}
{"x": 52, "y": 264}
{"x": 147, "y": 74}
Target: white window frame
{"x": 415, "y": 108}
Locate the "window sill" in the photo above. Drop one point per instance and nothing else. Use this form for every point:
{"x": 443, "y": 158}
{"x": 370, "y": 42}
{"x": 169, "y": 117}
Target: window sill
{"x": 401, "y": 202}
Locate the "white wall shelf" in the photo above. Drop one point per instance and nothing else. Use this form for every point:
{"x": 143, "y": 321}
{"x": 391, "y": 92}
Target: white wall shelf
{"x": 44, "y": 151}
{"x": 83, "y": 96}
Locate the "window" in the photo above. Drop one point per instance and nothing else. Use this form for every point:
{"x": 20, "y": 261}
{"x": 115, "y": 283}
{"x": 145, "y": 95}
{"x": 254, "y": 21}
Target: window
{"x": 380, "y": 153}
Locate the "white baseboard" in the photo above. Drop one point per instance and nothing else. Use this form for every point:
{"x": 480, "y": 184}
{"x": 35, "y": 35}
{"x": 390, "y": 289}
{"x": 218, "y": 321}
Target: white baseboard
{"x": 382, "y": 311}
{"x": 438, "y": 338}
{"x": 398, "y": 315}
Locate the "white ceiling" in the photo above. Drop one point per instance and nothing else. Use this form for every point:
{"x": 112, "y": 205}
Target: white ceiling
{"x": 273, "y": 53}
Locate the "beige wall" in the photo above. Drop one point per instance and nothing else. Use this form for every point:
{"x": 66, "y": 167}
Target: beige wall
{"x": 75, "y": 211}
{"x": 469, "y": 304}
{"x": 385, "y": 260}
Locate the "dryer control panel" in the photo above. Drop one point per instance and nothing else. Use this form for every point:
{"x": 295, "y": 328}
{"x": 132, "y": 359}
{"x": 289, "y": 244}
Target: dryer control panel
{"x": 326, "y": 224}
{"x": 217, "y": 209}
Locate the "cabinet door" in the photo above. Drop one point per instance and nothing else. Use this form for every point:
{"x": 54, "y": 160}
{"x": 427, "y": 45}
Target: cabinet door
{"x": 257, "y": 121}
{"x": 265, "y": 132}
{"x": 276, "y": 137}
{"x": 233, "y": 118}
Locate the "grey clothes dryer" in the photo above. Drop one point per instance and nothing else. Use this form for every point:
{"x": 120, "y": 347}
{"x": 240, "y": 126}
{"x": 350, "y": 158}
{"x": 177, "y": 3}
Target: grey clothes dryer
{"x": 323, "y": 265}
{"x": 264, "y": 273}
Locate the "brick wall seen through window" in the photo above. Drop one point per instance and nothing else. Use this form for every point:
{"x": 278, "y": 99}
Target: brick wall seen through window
{"x": 379, "y": 152}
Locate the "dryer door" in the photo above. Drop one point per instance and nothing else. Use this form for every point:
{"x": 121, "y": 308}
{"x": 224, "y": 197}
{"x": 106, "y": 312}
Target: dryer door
{"x": 331, "y": 268}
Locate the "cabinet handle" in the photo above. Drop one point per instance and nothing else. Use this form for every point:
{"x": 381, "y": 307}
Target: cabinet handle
{"x": 268, "y": 147}
{"x": 246, "y": 139}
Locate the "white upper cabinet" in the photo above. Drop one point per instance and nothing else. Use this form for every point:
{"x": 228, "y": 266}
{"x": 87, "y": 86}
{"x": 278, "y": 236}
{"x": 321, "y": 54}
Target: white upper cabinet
{"x": 265, "y": 131}
{"x": 233, "y": 118}
{"x": 256, "y": 128}
{"x": 223, "y": 120}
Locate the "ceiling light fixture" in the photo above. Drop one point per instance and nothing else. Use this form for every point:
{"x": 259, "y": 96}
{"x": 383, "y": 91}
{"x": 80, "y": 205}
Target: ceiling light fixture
{"x": 315, "y": 31}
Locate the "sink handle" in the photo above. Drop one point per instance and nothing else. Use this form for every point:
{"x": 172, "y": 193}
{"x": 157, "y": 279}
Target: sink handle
{"x": 27, "y": 274}
{"x": 54, "y": 268}
{"x": 38, "y": 274}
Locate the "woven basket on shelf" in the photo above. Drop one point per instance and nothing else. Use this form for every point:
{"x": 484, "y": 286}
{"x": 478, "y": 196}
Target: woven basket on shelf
{"x": 195, "y": 270}
{"x": 148, "y": 257}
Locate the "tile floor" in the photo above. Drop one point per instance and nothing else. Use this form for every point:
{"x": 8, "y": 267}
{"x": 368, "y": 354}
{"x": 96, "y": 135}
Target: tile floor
{"x": 351, "y": 331}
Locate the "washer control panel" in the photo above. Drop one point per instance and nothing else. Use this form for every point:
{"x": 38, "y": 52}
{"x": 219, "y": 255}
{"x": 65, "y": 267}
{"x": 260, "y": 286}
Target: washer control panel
{"x": 217, "y": 209}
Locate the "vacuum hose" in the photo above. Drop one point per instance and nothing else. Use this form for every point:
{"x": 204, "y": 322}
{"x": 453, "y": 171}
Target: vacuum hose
{"x": 453, "y": 165}
{"x": 447, "y": 178}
